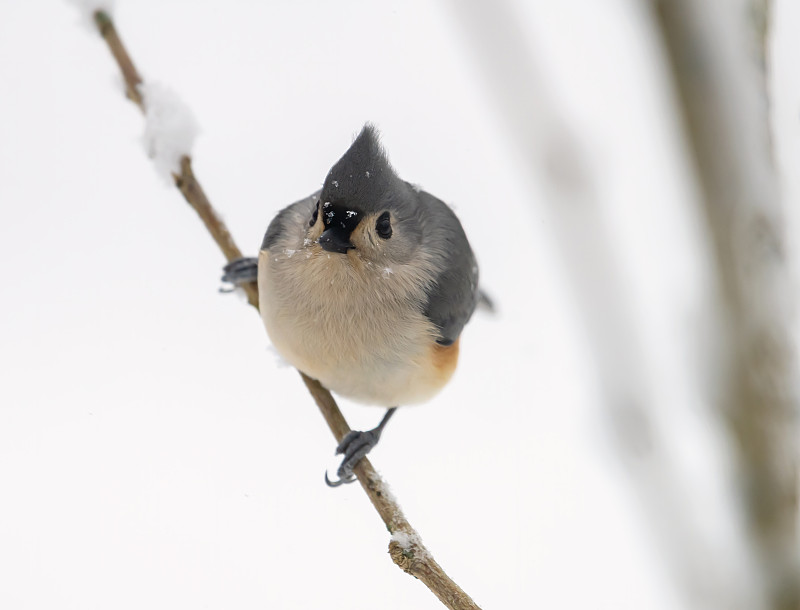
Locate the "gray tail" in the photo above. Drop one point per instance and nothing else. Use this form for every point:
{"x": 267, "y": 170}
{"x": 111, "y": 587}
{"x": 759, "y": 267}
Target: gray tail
{"x": 485, "y": 302}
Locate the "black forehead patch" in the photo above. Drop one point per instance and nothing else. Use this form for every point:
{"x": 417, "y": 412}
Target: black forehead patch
{"x": 340, "y": 217}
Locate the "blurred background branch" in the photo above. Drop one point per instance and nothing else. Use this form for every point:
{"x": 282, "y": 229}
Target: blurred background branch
{"x": 723, "y": 102}
{"x": 727, "y": 126}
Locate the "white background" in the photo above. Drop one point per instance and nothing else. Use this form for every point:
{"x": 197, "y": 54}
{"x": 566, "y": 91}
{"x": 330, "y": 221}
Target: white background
{"x": 154, "y": 453}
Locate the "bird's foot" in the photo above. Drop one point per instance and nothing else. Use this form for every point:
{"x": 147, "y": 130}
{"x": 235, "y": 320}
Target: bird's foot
{"x": 354, "y": 446}
{"x": 239, "y": 272}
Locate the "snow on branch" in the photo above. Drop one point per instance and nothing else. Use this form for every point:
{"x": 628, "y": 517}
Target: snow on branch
{"x": 170, "y": 129}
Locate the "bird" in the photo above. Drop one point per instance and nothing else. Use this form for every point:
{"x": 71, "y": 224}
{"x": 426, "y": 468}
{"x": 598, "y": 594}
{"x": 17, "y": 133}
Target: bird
{"x": 366, "y": 286}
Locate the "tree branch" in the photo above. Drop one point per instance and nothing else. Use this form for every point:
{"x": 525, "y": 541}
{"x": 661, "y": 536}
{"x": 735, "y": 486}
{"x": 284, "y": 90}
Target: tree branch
{"x": 405, "y": 548}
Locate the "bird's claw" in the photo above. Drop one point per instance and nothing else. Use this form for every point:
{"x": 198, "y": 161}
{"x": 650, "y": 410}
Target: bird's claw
{"x": 337, "y": 482}
{"x": 354, "y": 446}
{"x": 239, "y": 272}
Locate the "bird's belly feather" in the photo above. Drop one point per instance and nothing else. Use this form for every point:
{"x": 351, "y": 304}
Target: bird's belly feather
{"x": 358, "y": 336}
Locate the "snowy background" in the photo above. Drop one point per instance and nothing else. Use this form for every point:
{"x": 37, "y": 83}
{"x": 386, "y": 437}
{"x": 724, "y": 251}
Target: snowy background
{"x": 155, "y": 453}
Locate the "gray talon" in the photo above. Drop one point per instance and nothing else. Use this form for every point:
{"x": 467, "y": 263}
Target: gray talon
{"x": 342, "y": 481}
{"x": 349, "y": 438}
{"x": 354, "y": 446}
{"x": 240, "y": 271}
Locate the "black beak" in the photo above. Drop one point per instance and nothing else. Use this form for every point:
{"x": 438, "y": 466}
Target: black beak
{"x": 335, "y": 240}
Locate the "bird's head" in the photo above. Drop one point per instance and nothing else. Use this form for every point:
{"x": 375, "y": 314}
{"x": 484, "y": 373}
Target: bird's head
{"x": 365, "y": 209}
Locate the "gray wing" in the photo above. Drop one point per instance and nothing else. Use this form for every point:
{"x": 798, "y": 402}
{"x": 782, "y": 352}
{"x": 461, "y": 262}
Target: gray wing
{"x": 454, "y": 294}
{"x": 289, "y": 219}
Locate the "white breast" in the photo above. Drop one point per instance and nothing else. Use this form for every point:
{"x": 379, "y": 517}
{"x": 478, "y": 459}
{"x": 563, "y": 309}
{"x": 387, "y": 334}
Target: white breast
{"x": 356, "y": 328}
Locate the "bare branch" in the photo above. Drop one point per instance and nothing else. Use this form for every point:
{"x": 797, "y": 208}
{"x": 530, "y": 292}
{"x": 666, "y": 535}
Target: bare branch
{"x": 129, "y": 72}
{"x": 405, "y": 548}
{"x": 196, "y": 197}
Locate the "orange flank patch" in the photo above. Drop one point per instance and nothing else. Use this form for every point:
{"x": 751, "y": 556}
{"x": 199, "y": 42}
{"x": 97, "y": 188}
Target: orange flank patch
{"x": 444, "y": 359}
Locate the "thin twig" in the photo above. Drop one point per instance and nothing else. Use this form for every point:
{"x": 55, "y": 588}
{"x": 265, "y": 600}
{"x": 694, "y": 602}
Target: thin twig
{"x": 405, "y": 548}
{"x": 196, "y": 196}
{"x": 129, "y": 72}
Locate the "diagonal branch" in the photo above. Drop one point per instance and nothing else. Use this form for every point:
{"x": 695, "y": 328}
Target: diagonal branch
{"x": 405, "y": 548}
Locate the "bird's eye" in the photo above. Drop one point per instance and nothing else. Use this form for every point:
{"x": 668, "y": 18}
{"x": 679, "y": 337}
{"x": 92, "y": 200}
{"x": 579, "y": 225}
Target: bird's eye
{"x": 384, "y": 226}
{"x": 313, "y": 220}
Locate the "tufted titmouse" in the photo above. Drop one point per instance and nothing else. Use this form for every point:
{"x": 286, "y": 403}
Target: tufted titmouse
{"x": 365, "y": 286}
